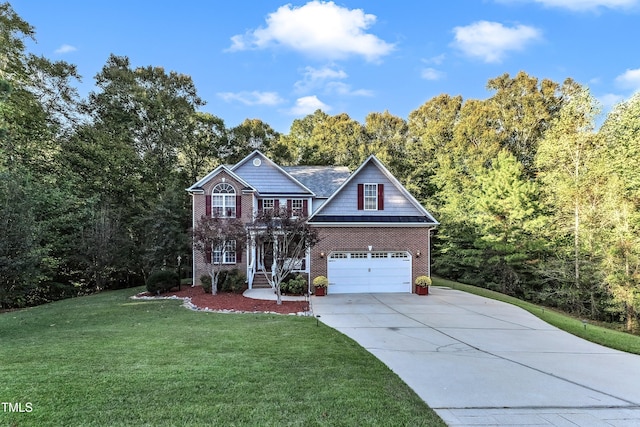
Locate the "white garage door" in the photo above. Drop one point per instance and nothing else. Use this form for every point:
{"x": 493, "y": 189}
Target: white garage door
{"x": 363, "y": 272}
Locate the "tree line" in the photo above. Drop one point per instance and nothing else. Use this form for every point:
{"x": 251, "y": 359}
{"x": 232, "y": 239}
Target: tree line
{"x": 534, "y": 199}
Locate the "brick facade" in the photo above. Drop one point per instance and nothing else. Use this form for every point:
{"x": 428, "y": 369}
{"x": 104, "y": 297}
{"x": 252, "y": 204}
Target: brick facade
{"x": 200, "y": 267}
{"x": 414, "y": 240}
{"x": 406, "y": 224}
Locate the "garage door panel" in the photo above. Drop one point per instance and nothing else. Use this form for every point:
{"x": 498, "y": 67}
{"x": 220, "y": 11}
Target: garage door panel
{"x": 358, "y": 272}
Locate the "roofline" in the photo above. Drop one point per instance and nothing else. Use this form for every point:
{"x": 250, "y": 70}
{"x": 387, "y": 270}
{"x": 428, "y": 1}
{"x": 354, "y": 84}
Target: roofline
{"x": 429, "y": 225}
{"x": 391, "y": 178}
{"x": 278, "y": 167}
{"x": 197, "y": 187}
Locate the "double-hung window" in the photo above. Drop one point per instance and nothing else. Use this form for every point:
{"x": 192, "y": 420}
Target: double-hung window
{"x": 297, "y": 207}
{"x": 226, "y": 256}
{"x": 268, "y": 205}
{"x": 370, "y": 197}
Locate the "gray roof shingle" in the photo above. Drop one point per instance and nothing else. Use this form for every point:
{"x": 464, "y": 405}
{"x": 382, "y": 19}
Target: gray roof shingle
{"x": 322, "y": 180}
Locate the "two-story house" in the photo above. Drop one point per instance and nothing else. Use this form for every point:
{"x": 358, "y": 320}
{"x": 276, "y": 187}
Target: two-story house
{"x": 374, "y": 235}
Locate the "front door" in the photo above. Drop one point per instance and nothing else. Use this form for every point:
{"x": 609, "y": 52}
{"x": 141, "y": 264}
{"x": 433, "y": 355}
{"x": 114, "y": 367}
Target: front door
{"x": 265, "y": 255}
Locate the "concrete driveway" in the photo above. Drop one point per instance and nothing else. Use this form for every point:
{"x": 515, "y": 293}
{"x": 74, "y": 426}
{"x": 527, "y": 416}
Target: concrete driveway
{"x": 480, "y": 362}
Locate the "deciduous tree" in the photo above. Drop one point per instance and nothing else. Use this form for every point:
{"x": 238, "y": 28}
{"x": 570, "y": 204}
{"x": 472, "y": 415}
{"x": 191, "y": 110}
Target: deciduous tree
{"x": 292, "y": 238}
{"x": 215, "y": 238}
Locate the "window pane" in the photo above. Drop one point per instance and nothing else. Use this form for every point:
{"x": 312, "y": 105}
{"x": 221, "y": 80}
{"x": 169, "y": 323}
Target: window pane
{"x": 371, "y": 197}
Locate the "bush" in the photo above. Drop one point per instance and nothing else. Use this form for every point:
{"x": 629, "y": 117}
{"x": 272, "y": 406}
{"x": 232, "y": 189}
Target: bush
{"x": 205, "y": 280}
{"x": 162, "y": 281}
{"x": 295, "y": 286}
{"x": 232, "y": 281}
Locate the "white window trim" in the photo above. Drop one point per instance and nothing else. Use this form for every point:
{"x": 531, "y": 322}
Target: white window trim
{"x": 228, "y": 201}
{"x": 373, "y": 198}
{"x": 297, "y": 212}
{"x": 266, "y": 208}
{"x": 229, "y": 254}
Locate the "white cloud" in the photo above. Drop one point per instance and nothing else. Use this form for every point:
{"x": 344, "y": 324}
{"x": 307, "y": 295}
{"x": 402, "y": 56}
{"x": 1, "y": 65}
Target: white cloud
{"x": 342, "y": 88}
{"x": 431, "y": 74}
{"x": 326, "y": 80}
{"x": 436, "y": 60}
{"x": 610, "y": 100}
{"x": 315, "y": 77}
{"x": 491, "y": 41}
{"x": 318, "y": 29}
{"x": 307, "y": 105}
{"x": 252, "y": 98}
{"x": 630, "y": 79}
{"x": 65, "y": 48}
{"x": 586, "y": 5}
{"x": 324, "y": 73}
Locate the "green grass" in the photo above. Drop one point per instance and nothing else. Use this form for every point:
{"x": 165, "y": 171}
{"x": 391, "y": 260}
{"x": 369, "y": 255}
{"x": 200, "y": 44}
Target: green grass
{"x": 598, "y": 334}
{"x": 108, "y": 360}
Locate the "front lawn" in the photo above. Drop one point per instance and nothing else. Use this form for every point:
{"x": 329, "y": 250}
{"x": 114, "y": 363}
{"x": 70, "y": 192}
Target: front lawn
{"x": 108, "y": 360}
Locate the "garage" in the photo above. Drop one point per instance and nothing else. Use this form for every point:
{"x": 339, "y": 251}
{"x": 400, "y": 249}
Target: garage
{"x": 369, "y": 272}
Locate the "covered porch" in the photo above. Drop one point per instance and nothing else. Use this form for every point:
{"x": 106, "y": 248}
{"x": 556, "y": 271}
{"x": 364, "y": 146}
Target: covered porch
{"x": 262, "y": 260}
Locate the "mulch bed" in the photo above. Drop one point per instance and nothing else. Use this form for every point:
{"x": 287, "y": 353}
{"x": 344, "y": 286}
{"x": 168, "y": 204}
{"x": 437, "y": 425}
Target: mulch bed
{"x": 225, "y": 301}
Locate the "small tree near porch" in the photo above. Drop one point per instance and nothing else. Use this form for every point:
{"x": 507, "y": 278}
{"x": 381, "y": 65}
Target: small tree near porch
{"x": 218, "y": 238}
{"x": 292, "y": 237}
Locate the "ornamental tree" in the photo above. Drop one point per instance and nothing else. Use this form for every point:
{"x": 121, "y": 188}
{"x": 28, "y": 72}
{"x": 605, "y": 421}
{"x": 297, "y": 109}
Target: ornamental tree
{"x": 292, "y": 238}
{"x": 218, "y": 239}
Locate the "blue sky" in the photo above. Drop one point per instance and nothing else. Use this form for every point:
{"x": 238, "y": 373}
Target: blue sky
{"x": 279, "y": 61}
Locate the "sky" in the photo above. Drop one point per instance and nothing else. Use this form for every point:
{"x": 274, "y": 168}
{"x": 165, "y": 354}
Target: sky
{"x": 278, "y": 61}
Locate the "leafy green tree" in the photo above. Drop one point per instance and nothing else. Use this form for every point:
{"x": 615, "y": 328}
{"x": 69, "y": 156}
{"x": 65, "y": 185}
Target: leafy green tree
{"x": 143, "y": 120}
{"x": 20, "y": 254}
{"x": 205, "y": 146}
{"x": 571, "y": 171}
{"x": 300, "y": 141}
{"x": 430, "y": 132}
{"x": 523, "y": 109}
{"x": 387, "y": 136}
{"x": 105, "y": 247}
{"x": 621, "y": 264}
{"x": 250, "y": 135}
{"x": 165, "y": 225}
{"x": 621, "y": 267}
{"x": 320, "y": 139}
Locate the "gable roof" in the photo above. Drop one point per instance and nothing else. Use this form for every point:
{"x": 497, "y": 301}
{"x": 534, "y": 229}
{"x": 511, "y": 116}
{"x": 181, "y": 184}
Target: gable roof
{"x": 424, "y": 217}
{"x": 290, "y": 184}
{"x": 322, "y": 180}
{"x": 198, "y": 186}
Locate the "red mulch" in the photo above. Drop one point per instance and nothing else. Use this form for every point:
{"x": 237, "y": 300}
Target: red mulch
{"x": 235, "y": 302}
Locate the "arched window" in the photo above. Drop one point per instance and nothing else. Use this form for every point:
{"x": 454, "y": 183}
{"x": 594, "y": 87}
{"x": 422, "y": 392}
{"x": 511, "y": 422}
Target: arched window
{"x": 223, "y": 200}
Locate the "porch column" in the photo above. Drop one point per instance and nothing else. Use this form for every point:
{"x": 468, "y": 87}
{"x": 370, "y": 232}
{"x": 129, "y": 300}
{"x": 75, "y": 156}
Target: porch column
{"x": 251, "y": 265}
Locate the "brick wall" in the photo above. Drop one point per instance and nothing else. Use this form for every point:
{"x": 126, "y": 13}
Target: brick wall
{"x": 380, "y": 238}
{"x": 199, "y": 209}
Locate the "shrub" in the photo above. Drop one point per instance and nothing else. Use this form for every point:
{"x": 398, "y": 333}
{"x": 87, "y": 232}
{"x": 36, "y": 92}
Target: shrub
{"x": 232, "y": 281}
{"x": 423, "y": 281}
{"x": 295, "y": 286}
{"x": 205, "y": 280}
{"x": 321, "y": 282}
{"x": 162, "y": 281}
